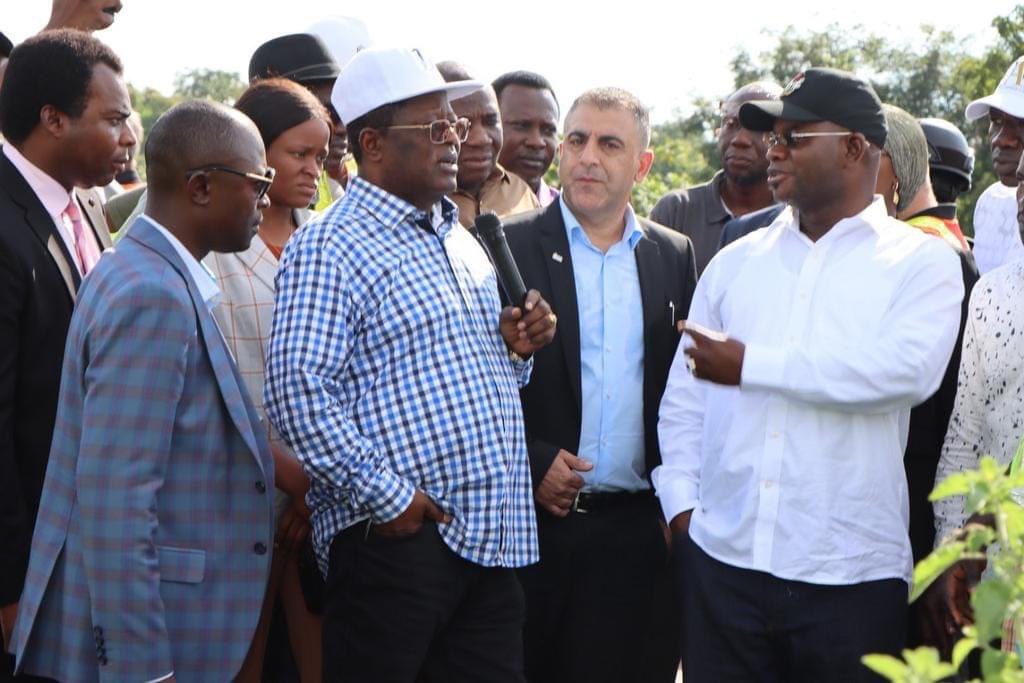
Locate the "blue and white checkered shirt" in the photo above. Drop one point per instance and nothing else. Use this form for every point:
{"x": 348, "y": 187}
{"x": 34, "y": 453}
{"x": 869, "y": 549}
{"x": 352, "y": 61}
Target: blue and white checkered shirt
{"x": 387, "y": 373}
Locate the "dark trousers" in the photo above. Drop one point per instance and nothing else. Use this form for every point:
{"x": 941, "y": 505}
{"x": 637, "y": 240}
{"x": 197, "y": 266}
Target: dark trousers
{"x": 744, "y": 625}
{"x": 7, "y": 671}
{"x": 399, "y": 611}
{"x": 599, "y": 605}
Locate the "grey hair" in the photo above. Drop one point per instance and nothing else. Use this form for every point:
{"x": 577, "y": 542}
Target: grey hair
{"x": 617, "y": 98}
{"x": 908, "y": 150}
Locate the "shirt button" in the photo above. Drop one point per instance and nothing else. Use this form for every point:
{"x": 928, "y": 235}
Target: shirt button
{"x": 261, "y": 487}
{"x": 774, "y": 435}
{"x": 260, "y": 548}
{"x": 767, "y": 484}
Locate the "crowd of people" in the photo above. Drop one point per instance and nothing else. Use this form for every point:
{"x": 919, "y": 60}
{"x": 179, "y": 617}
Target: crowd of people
{"x": 277, "y": 411}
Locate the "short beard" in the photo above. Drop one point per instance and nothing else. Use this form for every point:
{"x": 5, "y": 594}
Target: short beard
{"x": 749, "y": 179}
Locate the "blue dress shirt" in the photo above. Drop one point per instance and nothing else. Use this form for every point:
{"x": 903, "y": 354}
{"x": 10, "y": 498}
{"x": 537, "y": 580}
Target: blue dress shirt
{"x": 611, "y": 357}
{"x": 386, "y": 373}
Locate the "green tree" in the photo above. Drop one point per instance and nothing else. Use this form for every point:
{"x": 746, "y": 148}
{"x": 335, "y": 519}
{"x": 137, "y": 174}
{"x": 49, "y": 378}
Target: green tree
{"x": 934, "y": 76}
{"x": 990, "y": 493}
{"x": 679, "y": 161}
{"x": 150, "y": 103}
{"x": 219, "y": 86}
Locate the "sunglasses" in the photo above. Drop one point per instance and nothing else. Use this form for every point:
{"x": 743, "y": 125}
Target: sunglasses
{"x": 789, "y": 138}
{"x": 263, "y": 182}
{"x": 439, "y": 129}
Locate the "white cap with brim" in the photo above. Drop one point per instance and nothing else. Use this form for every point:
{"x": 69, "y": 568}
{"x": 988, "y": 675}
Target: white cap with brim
{"x": 1008, "y": 97}
{"x": 382, "y": 75}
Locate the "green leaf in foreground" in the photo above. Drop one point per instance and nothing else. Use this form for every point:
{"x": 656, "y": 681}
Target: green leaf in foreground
{"x": 931, "y": 567}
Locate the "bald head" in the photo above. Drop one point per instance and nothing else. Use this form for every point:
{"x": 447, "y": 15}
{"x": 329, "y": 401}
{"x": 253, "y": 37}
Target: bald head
{"x": 192, "y": 135}
{"x": 453, "y": 71}
{"x": 218, "y": 207}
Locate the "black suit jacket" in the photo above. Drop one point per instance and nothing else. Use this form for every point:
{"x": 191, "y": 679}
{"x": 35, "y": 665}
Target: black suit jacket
{"x": 38, "y": 281}
{"x": 748, "y": 223}
{"x": 552, "y": 400}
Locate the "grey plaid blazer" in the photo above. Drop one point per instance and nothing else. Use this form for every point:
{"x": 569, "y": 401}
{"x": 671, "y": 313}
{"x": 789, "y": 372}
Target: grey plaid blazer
{"x": 151, "y": 550}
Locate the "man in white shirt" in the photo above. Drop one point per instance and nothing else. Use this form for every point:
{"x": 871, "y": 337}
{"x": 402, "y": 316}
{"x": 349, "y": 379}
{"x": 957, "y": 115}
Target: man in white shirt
{"x": 997, "y": 237}
{"x": 783, "y": 435}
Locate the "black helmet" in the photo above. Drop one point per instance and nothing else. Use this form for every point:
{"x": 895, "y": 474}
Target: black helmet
{"x": 948, "y": 152}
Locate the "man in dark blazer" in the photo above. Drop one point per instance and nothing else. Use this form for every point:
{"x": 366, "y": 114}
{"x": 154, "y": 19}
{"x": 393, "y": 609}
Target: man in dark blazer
{"x": 63, "y": 111}
{"x": 151, "y": 553}
{"x": 619, "y": 284}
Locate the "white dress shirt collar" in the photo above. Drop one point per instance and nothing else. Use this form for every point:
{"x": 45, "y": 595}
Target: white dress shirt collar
{"x": 204, "y": 281}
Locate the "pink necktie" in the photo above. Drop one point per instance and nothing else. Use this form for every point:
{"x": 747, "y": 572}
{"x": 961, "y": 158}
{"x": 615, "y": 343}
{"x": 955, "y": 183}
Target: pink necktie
{"x": 85, "y": 245}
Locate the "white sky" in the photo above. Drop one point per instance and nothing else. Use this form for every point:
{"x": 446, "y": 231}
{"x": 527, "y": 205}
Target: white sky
{"x": 665, "y": 52}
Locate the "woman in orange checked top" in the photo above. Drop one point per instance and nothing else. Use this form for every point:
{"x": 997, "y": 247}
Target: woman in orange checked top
{"x": 295, "y": 128}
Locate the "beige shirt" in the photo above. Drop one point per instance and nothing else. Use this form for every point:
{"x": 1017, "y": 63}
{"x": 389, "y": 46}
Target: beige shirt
{"x": 504, "y": 193}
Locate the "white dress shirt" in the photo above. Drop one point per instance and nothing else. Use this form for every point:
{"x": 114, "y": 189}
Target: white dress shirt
{"x": 799, "y": 471}
{"x": 997, "y": 237}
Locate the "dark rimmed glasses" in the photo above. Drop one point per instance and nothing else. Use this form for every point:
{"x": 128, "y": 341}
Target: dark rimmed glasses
{"x": 439, "y": 129}
{"x": 263, "y": 182}
{"x": 789, "y": 138}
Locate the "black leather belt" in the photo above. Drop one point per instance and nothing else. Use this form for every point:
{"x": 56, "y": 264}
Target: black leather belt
{"x": 596, "y": 501}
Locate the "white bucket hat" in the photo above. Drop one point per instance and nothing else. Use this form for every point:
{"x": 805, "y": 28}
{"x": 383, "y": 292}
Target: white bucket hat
{"x": 1008, "y": 97}
{"x": 381, "y": 75}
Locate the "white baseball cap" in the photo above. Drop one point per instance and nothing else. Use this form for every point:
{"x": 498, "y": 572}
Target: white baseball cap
{"x": 381, "y": 75}
{"x": 344, "y": 36}
{"x": 1009, "y": 95}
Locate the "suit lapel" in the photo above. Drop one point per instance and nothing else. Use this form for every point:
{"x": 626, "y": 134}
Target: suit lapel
{"x": 68, "y": 274}
{"x": 224, "y": 369}
{"x": 260, "y": 262}
{"x": 652, "y": 284}
{"x": 40, "y": 223}
{"x": 654, "y": 299}
{"x": 557, "y": 257}
{"x": 92, "y": 209}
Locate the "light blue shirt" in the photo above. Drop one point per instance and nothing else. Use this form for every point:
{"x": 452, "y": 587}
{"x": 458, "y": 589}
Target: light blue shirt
{"x": 611, "y": 357}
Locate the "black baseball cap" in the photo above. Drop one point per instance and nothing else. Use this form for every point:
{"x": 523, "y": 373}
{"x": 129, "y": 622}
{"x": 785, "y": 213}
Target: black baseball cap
{"x": 820, "y": 94}
{"x": 299, "y": 57}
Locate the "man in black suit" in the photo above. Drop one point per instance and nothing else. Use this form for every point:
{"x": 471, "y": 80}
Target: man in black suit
{"x": 618, "y": 284}
{"x": 64, "y": 113}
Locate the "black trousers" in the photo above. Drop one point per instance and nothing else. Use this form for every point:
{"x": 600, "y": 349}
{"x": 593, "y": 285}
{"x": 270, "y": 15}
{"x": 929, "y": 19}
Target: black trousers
{"x": 7, "y": 671}
{"x": 744, "y": 625}
{"x": 399, "y": 611}
{"x": 600, "y": 604}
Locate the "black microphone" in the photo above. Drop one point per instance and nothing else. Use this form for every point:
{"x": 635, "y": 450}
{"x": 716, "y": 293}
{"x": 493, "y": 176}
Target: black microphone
{"x": 488, "y": 226}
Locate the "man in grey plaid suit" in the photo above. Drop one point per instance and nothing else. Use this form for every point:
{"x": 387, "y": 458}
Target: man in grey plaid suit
{"x": 150, "y": 555}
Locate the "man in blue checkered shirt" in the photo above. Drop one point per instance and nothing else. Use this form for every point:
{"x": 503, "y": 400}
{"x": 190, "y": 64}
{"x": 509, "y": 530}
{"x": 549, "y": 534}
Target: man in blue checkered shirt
{"x": 394, "y": 374}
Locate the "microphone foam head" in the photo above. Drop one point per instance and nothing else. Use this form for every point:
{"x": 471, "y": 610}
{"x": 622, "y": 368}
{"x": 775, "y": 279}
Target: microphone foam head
{"x": 487, "y": 223}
